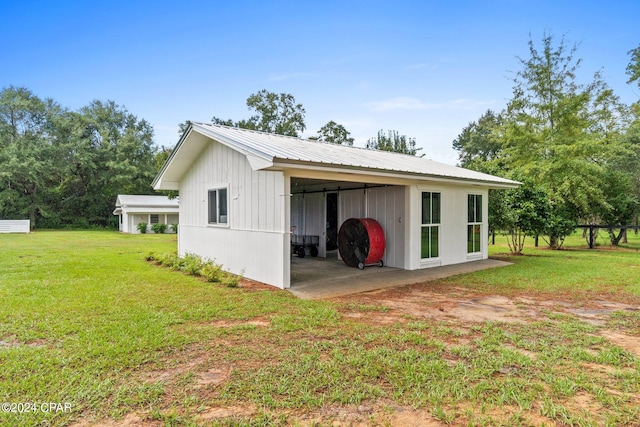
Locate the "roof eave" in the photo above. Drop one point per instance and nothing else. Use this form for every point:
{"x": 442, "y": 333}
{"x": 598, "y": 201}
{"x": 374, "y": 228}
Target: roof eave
{"x": 287, "y": 164}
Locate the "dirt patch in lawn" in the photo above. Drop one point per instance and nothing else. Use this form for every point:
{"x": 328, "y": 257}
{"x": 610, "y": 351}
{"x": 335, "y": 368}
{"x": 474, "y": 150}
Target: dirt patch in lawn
{"x": 446, "y": 302}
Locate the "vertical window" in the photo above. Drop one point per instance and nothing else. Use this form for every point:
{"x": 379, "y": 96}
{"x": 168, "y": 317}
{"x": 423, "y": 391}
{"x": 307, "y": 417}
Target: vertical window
{"x": 218, "y": 206}
{"x": 474, "y": 222}
{"x": 154, "y": 219}
{"x": 430, "y": 230}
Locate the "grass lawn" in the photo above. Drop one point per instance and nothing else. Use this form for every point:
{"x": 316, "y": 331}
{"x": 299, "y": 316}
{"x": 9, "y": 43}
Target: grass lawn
{"x": 86, "y": 322}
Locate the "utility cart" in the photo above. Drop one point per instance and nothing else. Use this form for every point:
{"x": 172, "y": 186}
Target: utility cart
{"x": 300, "y": 243}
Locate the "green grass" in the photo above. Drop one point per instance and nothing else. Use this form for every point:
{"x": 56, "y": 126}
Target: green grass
{"x": 575, "y": 268}
{"x": 85, "y": 320}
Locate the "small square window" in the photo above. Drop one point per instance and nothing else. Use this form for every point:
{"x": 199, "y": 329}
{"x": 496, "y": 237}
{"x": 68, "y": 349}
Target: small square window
{"x": 154, "y": 219}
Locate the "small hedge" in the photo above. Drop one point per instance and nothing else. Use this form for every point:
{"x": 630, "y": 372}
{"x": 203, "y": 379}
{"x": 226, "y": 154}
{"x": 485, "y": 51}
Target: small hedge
{"x": 196, "y": 266}
{"x": 159, "y": 228}
{"x": 142, "y": 227}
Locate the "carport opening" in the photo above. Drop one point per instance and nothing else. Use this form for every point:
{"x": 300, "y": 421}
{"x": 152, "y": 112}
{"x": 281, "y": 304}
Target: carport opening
{"x": 318, "y": 209}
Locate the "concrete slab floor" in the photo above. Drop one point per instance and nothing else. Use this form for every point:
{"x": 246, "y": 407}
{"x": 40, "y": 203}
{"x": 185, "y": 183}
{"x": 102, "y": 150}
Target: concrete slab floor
{"x": 320, "y": 278}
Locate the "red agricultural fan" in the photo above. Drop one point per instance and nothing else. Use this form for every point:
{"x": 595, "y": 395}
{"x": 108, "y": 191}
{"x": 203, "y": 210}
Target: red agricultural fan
{"x": 361, "y": 242}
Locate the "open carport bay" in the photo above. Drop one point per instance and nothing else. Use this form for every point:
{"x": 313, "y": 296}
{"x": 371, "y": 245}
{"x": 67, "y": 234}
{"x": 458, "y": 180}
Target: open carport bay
{"x": 318, "y": 278}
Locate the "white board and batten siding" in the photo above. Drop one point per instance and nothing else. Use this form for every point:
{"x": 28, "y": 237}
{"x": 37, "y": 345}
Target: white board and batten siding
{"x": 453, "y": 225}
{"x": 253, "y": 241}
{"x": 15, "y": 226}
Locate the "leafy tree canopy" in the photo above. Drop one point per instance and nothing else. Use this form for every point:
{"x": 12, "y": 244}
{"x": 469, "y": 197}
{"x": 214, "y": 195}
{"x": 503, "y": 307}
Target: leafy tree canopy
{"x": 65, "y": 168}
{"x": 274, "y": 113}
{"x": 563, "y": 136}
{"x": 393, "y": 142}
{"x": 334, "y": 133}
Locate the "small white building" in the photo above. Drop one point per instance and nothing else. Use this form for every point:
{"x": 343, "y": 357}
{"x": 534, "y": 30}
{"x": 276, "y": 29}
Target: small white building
{"x": 133, "y": 210}
{"x": 243, "y": 192}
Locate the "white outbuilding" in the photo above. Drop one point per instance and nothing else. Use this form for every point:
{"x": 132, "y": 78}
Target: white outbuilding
{"x": 244, "y": 195}
{"x": 135, "y": 209}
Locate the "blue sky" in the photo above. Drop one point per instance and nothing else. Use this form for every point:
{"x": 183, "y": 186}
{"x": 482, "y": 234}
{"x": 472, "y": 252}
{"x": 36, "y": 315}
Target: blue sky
{"x": 423, "y": 68}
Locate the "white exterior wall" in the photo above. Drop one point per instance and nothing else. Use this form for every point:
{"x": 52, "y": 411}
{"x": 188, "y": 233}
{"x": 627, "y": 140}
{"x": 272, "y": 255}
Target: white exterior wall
{"x": 453, "y": 226}
{"x": 386, "y": 205}
{"x": 254, "y": 241}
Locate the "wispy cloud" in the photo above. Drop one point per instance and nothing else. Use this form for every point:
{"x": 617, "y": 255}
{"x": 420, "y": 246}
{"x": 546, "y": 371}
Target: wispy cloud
{"x": 411, "y": 104}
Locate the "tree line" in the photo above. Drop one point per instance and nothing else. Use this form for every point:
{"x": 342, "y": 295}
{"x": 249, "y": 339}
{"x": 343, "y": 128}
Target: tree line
{"x": 575, "y": 147}
{"x": 64, "y": 168}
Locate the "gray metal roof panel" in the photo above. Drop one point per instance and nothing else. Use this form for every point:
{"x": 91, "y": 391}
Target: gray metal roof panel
{"x": 286, "y": 148}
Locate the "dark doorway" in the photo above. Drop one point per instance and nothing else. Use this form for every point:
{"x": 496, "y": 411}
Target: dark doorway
{"x": 332, "y": 221}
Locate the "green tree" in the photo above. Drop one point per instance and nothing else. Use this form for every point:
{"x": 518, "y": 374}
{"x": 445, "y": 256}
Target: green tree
{"x": 523, "y": 211}
{"x": 633, "y": 69}
{"x": 275, "y": 113}
{"x": 334, "y": 133}
{"x": 393, "y": 142}
{"x": 479, "y": 145}
{"x": 28, "y": 166}
{"x": 561, "y": 134}
{"x": 108, "y": 151}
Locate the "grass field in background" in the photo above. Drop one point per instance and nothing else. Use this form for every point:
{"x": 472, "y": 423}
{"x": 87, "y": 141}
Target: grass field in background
{"x": 85, "y": 320}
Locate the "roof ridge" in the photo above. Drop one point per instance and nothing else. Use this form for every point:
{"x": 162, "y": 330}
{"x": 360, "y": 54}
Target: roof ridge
{"x": 277, "y": 135}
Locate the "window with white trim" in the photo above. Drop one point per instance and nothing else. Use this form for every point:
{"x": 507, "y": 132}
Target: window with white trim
{"x": 154, "y": 218}
{"x": 474, "y": 223}
{"x": 218, "y": 206}
{"x": 430, "y": 229}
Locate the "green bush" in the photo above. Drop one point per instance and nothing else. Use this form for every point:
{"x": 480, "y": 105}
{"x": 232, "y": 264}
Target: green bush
{"x": 174, "y": 228}
{"x": 191, "y": 264}
{"x": 194, "y": 265}
{"x": 211, "y": 271}
{"x": 159, "y": 228}
{"x": 230, "y": 280}
{"x": 171, "y": 260}
{"x": 142, "y": 227}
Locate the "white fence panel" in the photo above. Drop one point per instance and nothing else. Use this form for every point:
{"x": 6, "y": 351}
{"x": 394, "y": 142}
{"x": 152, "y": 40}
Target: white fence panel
{"x": 15, "y": 226}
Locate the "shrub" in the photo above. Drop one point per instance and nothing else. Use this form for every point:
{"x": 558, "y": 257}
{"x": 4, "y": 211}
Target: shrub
{"x": 159, "y": 228}
{"x": 191, "y": 264}
{"x": 230, "y": 280}
{"x": 171, "y": 260}
{"x": 211, "y": 271}
{"x": 174, "y": 227}
{"x": 194, "y": 265}
{"x": 142, "y": 227}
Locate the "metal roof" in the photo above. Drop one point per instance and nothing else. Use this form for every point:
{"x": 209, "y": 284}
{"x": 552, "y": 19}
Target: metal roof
{"x": 264, "y": 150}
{"x": 134, "y": 200}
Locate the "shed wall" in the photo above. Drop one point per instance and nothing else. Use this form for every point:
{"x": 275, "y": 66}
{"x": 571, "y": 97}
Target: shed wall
{"x": 253, "y": 241}
{"x": 453, "y": 226}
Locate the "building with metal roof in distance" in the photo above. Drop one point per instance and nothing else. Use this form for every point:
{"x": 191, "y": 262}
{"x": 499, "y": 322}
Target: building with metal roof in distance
{"x": 135, "y": 209}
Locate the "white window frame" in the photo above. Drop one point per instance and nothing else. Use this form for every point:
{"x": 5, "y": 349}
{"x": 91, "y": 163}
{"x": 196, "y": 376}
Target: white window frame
{"x": 431, "y": 224}
{"x": 472, "y": 221}
{"x": 151, "y": 222}
{"x": 220, "y": 220}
